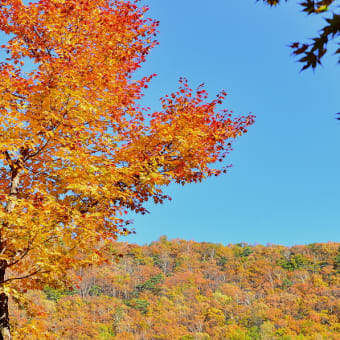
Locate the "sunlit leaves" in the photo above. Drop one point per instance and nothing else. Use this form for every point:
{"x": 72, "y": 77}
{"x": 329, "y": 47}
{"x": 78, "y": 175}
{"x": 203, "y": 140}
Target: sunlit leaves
{"x": 78, "y": 153}
{"x": 186, "y": 289}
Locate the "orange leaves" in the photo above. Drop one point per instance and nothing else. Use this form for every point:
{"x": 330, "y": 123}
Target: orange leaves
{"x": 195, "y": 134}
{"x": 77, "y": 151}
{"x": 186, "y": 289}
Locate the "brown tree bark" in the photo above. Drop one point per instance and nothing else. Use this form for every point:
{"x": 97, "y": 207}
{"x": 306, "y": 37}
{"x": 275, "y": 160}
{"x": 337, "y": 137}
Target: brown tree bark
{"x": 5, "y": 333}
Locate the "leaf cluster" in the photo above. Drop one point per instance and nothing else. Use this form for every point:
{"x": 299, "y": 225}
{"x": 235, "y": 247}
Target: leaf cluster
{"x": 77, "y": 150}
{"x": 311, "y": 54}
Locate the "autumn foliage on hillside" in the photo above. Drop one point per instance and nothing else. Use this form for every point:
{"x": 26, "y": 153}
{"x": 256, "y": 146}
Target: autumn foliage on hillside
{"x": 195, "y": 291}
{"x": 77, "y": 150}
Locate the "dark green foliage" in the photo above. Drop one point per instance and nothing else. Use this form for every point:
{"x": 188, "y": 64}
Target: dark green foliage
{"x": 95, "y": 290}
{"x": 246, "y": 252}
{"x": 152, "y": 284}
{"x": 286, "y": 283}
{"x": 222, "y": 261}
{"x": 294, "y": 262}
{"x": 55, "y": 294}
{"x": 337, "y": 262}
{"x": 156, "y": 260}
{"x": 242, "y": 250}
{"x": 139, "y": 304}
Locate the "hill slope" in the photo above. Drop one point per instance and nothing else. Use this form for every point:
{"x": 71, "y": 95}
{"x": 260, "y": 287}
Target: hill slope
{"x": 187, "y": 290}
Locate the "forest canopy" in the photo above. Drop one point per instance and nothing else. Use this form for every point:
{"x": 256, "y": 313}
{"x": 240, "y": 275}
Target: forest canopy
{"x": 177, "y": 289}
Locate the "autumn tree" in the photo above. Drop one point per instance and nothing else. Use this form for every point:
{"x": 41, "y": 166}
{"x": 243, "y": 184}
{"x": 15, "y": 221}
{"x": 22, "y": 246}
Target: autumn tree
{"x": 311, "y": 54}
{"x": 197, "y": 298}
{"x": 77, "y": 152}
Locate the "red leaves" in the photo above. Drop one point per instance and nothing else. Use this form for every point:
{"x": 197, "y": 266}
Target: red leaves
{"x": 91, "y": 154}
{"x": 197, "y": 134}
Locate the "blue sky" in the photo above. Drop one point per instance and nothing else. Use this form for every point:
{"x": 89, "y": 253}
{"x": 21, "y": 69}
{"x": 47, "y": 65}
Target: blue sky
{"x": 284, "y": 186}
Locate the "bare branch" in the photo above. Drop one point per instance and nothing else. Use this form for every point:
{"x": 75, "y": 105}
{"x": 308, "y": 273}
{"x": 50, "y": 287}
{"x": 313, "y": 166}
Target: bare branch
{"x": 22, "y": 277}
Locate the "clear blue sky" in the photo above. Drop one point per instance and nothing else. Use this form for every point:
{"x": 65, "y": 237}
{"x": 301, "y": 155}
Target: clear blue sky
{"x": 284, "y": 187}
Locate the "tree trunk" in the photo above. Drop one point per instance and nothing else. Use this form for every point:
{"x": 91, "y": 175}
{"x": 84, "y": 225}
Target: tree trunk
{"x": 5, "y": 333}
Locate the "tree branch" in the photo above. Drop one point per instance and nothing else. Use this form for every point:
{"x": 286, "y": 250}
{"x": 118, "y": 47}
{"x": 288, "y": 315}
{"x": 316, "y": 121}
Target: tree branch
{"x": 21, "y": 277}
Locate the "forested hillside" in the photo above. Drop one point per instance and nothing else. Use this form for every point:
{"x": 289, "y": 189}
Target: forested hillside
{"x": 187, "y": 290}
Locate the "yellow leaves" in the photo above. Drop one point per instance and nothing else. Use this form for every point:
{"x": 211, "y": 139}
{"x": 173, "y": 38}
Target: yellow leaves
{"x": 323, "y": 8}
{"x": 10, "y": 291}
{"x": 89, "y": 154}
{"x": 49, "y": 134}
